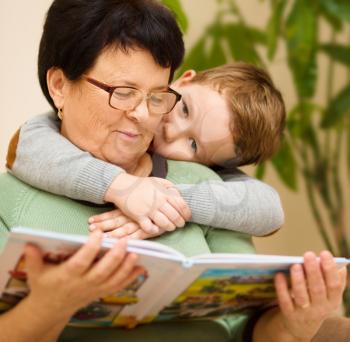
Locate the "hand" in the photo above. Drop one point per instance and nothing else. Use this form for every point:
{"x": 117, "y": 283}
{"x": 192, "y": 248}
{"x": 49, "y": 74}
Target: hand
{"x": 316, "y": 292}
{"x": 65, "y": 288}
{"x": 139, "y": 234}
{"x": 111, "y": 220}
{"x": 119, "y": 226}
{"x": 151, "y": 202}
{"x": 131, "y": 233}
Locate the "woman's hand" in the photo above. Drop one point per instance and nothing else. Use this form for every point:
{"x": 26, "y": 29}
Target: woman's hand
{"x": 65, "y": 288}
{"x": 315, "y": 294}
{"x": 118, "y": 225}
{"x": 151, "y": 202}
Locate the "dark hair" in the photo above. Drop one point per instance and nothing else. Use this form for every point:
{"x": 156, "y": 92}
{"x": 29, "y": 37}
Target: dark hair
{"x": 76, "y": 32}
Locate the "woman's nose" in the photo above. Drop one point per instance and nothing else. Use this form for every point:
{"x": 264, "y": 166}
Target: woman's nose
{"x": 140, "y": 113}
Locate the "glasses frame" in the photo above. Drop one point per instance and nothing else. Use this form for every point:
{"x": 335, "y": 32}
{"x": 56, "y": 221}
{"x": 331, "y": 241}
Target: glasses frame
{"x": 110, "y": 90}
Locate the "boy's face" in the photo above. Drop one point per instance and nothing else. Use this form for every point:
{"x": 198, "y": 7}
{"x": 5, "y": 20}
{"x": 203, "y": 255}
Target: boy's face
{"x": 198, "y": 128}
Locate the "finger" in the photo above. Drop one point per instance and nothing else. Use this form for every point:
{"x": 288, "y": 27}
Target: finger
{"x": 181, "y": 206}
{"x": 299, "y": 287}
{"x": 142, "y": 235}
{"x": 314, "y": 279}
{"x": 122, "y": 273}
{"x": 164, "y": 183}
{"x": 34, "y": 260}
{"x": 81, "y": 261}
{"x": 109, "y": 224}
{"x": 284, "y": 299}
{"x": 343, "y": 276}
{"x": 172, "y": 214}
{"x": 147, "y": 225}
{"x": 125, "y": 230}
{"x": 332, "y": 277}
{"x": 162, "y": 221}
{"x": 108, "y": 264}
{"x": 105, "y": 216}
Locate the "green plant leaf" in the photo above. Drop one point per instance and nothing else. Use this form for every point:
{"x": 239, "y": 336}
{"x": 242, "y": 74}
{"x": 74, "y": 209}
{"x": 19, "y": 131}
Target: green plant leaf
{"x": 260, "y": 171}
{"x": 256, "y": 35}
{"x": 273, "y": 28}
{"x": 333, "y": 20}
{"x": 301, "y": 35}
{"x": 348, "y": 145}
{"x": 196, "y": 58}
{"x": 300, "y": 124}
{"x": 337, "y": 8}
{"x": 338, "y": 109}
{"x": 339, "y": 53}
{"x": 217, "y": 54}
{"x": 241, "y": 44}
{"x": 181, "y": 17}
{"x": 285, "y": 165}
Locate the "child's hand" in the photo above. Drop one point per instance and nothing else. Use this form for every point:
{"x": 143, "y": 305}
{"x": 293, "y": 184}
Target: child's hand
{"x": 316, "y": 292}
{"x": 119, "y": 225}
{"x": 151, "y": 202}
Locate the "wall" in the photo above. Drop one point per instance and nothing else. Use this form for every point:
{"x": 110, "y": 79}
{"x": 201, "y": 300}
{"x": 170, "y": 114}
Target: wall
{"x": 20, "y": 98}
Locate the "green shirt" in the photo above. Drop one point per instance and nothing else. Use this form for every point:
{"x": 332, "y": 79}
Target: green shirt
{"x": 22, "y": 205}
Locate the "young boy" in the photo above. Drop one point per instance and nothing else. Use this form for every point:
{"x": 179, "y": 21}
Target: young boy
{"x": 229, "y": 116}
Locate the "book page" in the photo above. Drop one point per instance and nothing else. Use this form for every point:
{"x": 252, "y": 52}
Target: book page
{"x": 226, "y": 284}
{"x": 130, "y": 306}
{"x": 221, "y": 290}
{"x": 122, "y": 308}
{"x": 178, "y": 285}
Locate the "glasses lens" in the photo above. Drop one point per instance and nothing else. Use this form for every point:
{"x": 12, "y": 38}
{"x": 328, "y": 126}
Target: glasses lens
{"x": 125, "y": 98}
{"x": 161, "y": 103}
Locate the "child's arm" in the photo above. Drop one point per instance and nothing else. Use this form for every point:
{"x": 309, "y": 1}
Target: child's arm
{"x": 43, "y": 158}
{"x": 239, "y": 203}
{"x": 40, "y": 156}
{"x": 46, "y": 160}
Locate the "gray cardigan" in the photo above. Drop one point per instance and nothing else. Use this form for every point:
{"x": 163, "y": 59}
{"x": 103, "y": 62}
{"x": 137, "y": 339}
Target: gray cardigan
{"x": 48, "y": 161}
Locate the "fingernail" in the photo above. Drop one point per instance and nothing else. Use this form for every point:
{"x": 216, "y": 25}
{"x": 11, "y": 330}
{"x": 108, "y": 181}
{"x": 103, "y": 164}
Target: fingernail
{"x": 91, "y": 220}
{"x": 92, "y": 227}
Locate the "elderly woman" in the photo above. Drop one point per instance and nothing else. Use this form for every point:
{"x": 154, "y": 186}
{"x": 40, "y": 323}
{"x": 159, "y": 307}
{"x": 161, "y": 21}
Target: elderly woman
{"x": 133, "y": 43}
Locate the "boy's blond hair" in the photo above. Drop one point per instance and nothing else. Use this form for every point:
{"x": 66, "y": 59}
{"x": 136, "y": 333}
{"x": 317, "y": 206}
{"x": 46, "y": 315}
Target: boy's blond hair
{"x": 258, "y": 110}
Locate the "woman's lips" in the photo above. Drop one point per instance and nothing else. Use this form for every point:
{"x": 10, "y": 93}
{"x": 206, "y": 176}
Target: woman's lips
{"x": 129, "y": 136}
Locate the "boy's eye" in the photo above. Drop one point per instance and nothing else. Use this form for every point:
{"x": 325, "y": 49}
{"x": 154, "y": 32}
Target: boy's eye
{"x": 184, "y": 108}
{"x": 193, "y": 145}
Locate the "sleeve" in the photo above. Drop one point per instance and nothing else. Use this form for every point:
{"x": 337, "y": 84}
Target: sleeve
{"x": 240, "y": 203}
{"x": 43, "y": 158}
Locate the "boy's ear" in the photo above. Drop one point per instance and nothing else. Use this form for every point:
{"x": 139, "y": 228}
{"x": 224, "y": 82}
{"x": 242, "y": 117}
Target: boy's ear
{"x": 56, "y": 84}
{"x": 186, "y": 77}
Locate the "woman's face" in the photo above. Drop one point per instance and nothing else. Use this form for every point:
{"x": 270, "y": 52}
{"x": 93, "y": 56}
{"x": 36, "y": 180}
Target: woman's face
{"x": 198, "y": 128}
{"x": 116, "y": 136}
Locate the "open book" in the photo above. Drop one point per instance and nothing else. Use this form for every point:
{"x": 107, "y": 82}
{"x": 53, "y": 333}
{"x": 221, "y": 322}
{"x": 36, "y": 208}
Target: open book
{"x": 176, "y": 287}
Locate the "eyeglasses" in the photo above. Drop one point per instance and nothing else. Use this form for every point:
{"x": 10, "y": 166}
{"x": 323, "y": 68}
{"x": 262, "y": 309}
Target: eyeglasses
{"x": 128, "y": 98}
